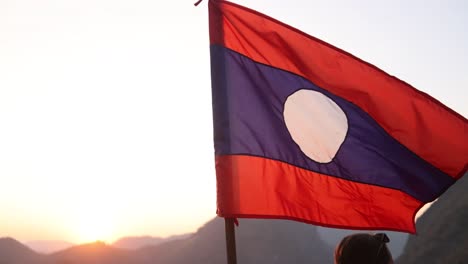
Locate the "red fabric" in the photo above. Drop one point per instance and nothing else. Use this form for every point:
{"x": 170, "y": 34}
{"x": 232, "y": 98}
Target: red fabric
{"x": 429, "y": 129}
{"x": 254, "y": 187}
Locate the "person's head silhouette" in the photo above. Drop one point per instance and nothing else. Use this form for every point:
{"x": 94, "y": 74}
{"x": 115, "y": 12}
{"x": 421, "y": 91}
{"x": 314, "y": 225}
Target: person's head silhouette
{"x": 363, "y": 249}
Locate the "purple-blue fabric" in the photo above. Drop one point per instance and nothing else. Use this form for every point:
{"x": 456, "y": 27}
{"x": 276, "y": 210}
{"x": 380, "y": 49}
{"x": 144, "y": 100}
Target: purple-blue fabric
{"x": 248, "y": 113}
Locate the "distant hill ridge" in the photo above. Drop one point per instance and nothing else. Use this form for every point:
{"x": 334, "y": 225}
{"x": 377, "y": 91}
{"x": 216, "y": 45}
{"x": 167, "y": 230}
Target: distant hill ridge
{"x": 442, "y": 231}
{"x": 48, "y": 246}
{"x": 13, "y": 252}
{"x": 258, "y": 241}
{"x": 136, "y": 242}
{"x": 93, "y": 253}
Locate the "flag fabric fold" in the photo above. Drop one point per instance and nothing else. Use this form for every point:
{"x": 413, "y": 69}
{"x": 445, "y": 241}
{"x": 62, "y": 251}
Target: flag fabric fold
{"x": 308, "y": 132}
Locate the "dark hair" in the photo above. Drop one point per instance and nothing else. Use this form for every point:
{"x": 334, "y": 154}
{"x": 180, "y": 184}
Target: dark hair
{"x": 363, "y": 249}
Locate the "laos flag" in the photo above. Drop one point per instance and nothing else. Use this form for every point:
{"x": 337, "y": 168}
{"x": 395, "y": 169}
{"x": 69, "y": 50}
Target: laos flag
{"x": 308, "y": 132}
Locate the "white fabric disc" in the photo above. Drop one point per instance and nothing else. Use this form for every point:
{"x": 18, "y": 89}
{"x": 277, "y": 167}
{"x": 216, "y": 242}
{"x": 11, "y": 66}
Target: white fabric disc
{"x": 316, "y": 123}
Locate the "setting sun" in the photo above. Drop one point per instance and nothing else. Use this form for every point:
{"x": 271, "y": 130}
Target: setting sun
{"x": 93, "y": 221}
{"x": 94, "y": 228}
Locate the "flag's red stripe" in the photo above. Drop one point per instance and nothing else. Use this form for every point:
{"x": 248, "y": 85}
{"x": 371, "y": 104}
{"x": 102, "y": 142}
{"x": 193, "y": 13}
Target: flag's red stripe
{"x": 262, "y": 188}
{"x": 425, "y": 126}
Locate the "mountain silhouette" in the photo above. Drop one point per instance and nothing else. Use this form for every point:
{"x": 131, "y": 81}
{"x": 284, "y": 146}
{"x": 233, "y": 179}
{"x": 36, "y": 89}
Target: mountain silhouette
{"x": 136, "y": 242}
{"x": 442, "y": 230}
{"x": 93, "y": 253}
{"x": 48, "y": 246}
{"x": 13, "y": 252}
{"x": 258, "y": 241}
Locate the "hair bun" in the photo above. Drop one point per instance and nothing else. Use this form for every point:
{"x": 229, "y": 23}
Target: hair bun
{"x": 382, "y": 237}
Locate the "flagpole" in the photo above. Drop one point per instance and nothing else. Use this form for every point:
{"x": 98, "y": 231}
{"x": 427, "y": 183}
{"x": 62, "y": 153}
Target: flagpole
{"x": 230, "y": 240}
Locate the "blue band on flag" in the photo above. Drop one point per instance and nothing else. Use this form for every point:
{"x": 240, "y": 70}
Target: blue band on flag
{"x": 248, "y": 119}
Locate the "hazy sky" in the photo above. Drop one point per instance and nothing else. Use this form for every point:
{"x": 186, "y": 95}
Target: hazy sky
{"x": 105, "y": 106}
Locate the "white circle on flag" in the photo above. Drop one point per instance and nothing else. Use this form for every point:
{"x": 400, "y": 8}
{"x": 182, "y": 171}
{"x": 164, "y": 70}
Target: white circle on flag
{"x": 316, "y": 123}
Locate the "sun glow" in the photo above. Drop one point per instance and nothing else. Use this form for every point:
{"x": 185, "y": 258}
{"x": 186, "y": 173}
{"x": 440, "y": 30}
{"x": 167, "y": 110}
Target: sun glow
{"x": 94, "y": 228}
{"x": 94, "y": 221}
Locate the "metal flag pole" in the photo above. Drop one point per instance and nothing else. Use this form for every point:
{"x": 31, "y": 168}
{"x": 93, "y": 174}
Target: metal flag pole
{"x": 230, "y": 241}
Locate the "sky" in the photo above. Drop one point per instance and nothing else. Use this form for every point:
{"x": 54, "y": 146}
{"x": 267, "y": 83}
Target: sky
{"x": 105, "y": 106}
